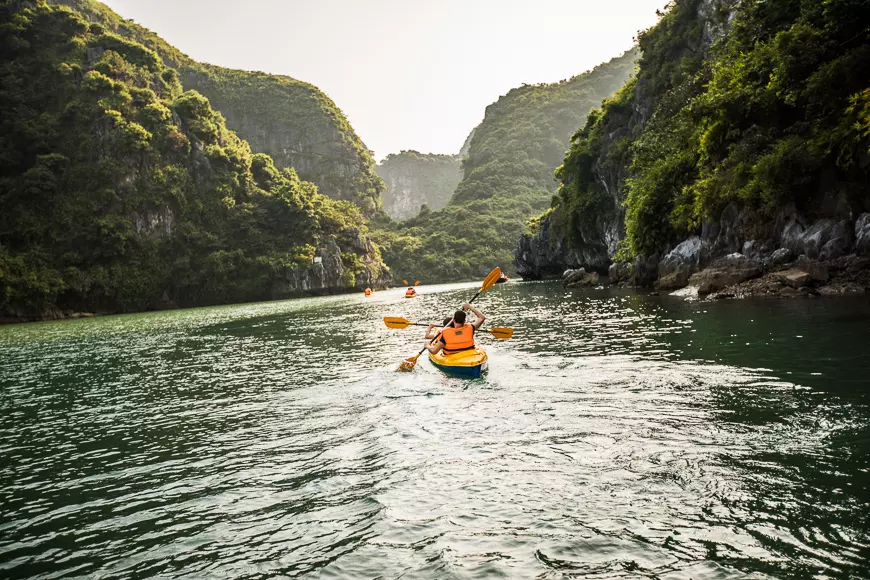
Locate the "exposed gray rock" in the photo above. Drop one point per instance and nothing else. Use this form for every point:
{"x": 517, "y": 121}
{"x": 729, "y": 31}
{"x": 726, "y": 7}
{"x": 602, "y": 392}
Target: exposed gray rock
{"x": 679, "y": 264}
{"x": 732, "y": 269}
{"x": 330, "y": 275}
{"x": 538, "y": 256}
{"x": 736, "y": 261}
{"x": 155, "y": 223}
{"x": 794, "y": 278}
{"x": 817, "y": 270}
{"x": 778, "y": 258}
{"x": 619, "y": 272}
{"x": 580, "y": 278}
{"x": 862, "y": 234}
{"x": 645, "y": 271}
{"x": 545, "y": 254}
{"x": 824, "y": 240}
{"x": 722, "y": 237}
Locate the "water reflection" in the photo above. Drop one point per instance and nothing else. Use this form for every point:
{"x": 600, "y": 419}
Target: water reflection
{"x": 616, "y": 435}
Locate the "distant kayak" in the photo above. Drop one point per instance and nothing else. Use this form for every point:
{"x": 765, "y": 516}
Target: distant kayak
{"x": 502, "y": 279}
{"x": 466, "y": 363}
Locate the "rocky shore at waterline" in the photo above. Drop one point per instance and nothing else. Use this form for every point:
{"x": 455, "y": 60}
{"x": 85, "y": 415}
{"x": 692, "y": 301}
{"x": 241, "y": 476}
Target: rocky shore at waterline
{"x": 735, "y": 276}
{"x": 825, "y": 257}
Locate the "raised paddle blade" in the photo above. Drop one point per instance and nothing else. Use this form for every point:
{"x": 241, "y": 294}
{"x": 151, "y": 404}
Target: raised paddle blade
{"x": 405, "y": 282}
{"x": 490, "y": 280}
{"x": 417, "y": 283}
{"x": 501, "y": 332}
{"x": 396, "y": 322}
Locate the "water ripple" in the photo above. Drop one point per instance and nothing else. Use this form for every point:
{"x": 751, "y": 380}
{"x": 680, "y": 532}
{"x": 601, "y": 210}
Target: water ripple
{"x": 616, "y": 436}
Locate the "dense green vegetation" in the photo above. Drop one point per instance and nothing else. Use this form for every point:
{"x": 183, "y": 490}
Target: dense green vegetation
{"x": 292, "y": 121}
{"x": 508, "y": 177}
{"x": 775, "y": 115}
{"x": 414, "y": 179}
{"x": 119, "y": 191}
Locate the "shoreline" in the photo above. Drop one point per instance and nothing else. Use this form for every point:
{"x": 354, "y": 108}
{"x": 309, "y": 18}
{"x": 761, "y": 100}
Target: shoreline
{"x": 737, "y": 277}
{"x": 59, "y": 315}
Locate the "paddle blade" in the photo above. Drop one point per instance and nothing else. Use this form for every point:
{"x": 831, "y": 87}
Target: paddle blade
{"x": 490, "y": 280}
{"x": 405, "y": 282}
{"x": 417, "y": 283}
{"x": 396, "y": 322}
{"x": 409, "y": 363}
{"x": 502, "y": 333}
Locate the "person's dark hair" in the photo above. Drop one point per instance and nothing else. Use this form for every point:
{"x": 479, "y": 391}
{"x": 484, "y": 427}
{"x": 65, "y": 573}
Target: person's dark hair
{"x": 447, "y": 321}
{"x": 459, "y": 317}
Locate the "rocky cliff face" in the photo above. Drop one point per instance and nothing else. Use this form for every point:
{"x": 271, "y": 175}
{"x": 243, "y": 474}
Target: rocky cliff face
{"x": 589, "y": 236}
{"x": 415, "y": 179}
{"x": 330, "y": 275}
{"x": 295, "y": 124}
{"x": 127, "y": 193}
{"x": 291, "y": 121}
{"x": 662, "y": 180}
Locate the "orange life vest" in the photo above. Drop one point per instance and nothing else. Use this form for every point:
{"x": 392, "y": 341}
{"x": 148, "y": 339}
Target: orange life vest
{"x": 457, "y": 339}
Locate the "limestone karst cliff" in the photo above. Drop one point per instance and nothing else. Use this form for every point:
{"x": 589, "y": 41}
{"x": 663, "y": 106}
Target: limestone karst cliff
{"x": 744, "y": 136}
{"x": 416, "y": 179}
{"x": 290, "y": 120}
{"x": 121, "y": 191}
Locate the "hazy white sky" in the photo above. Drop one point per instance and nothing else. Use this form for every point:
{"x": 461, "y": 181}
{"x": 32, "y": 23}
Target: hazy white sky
{"x": 408, "y": 74}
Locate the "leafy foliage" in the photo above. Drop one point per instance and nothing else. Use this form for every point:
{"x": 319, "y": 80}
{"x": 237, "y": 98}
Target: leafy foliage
{"x": 290, "y": 120}
{"x": 120, "y": 192}
{"x": 775, "y": 115}
{"x": 508, "y": 178}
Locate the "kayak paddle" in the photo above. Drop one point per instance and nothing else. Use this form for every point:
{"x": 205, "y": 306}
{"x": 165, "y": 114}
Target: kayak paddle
{"x": 396, "y": 322}
{"x": 409, "y": 363}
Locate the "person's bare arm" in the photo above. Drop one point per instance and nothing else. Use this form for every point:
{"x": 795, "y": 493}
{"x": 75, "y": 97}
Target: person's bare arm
{"x": 434, "y": 348}
{"x": 480, "y": 317}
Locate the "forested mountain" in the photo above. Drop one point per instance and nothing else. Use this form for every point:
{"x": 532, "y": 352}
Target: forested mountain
{"x": 292, "y": 121}
{"x": 507, "y": 178}
{"x": 415, "y": 179}
{"x": 747, "y": 130}
{"x": 120, "y": 191}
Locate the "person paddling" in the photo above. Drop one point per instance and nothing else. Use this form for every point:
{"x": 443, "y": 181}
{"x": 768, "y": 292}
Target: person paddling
{"x": 432, "y": 330}
{"x": 459, "y": 334}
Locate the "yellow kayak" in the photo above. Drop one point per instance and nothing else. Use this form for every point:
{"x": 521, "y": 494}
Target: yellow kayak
{"x": 466, "y": 363}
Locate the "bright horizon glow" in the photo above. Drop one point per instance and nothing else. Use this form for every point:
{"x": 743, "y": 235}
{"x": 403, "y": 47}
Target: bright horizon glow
{"x": 408, "y": 75}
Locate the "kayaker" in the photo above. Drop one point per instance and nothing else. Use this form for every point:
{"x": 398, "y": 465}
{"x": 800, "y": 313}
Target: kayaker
{"x": 433, "y": 329}
{"x": 459, "y": 335}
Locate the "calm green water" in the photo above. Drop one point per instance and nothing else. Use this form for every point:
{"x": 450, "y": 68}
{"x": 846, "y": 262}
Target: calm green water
{"x": 615, "y": 435}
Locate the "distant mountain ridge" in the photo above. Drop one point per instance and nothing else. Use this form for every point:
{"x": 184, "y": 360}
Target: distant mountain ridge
{"x": 507, "y": 178}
